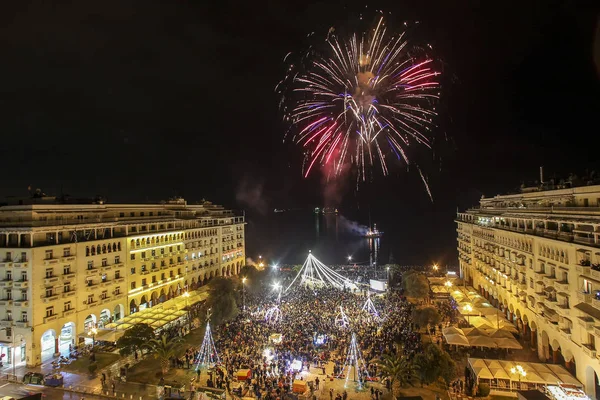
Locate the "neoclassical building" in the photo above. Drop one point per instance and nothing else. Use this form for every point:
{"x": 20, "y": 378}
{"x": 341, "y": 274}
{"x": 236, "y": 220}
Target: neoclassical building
{"x": 536, "y": 256}
{"x": 65, "y": 268}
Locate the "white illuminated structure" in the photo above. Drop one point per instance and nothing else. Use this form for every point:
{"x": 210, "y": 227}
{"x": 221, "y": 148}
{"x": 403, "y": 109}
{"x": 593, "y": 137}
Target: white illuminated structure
{"x": 316, "y": 274}
{"x": 208, "y": 352}
{"x": 369, "y": 307}
{"x": 273, "y": 315}
{"x": 354, "y": 361}
{"x": 341, "y": 320}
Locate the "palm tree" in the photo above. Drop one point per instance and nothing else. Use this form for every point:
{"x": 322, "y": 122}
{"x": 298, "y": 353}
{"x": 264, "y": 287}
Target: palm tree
{"x": 398, "y": 370}
{"x": 163, "y": 349}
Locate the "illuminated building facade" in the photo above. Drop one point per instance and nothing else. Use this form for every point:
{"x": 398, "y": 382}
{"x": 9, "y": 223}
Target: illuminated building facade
{"x": 536, "y": 256}
{"x": 65, "y": 268}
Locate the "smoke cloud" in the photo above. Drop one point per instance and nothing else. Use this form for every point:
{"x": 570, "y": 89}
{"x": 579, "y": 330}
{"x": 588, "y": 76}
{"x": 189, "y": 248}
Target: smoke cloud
{"x": 352, "y": 226}
{"x": 250, "y": 195}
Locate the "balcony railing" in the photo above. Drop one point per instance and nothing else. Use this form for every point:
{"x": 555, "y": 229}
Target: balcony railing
{"x": 589, "y": 350}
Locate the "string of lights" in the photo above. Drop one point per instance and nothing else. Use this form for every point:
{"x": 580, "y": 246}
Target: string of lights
{"x": 316, "y": 274}
{"x": 354, "y": 361}
{"x": 208, "y": 352}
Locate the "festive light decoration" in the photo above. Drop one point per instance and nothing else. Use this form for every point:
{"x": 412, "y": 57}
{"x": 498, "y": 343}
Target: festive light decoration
{"x": 341, "y": 320}
{"x": 273, "y": 315}
{"x": 208, "y": 352}
{"x": 369, "y": 307}
{"x": 365, "y": 99}
{"x": 316, "y": 274}
{"x": 355, "y": 361}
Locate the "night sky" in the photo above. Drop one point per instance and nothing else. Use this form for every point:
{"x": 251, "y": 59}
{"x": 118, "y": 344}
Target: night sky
{"x": 146, "y": 100}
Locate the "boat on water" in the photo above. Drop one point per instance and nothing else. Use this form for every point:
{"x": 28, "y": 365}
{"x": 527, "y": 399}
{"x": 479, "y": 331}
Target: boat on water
{"x": 326, "y": 210}
{"x": 373, "y": 233}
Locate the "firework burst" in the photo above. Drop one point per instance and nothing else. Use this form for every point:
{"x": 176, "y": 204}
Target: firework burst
{"x": 362, "y": 100}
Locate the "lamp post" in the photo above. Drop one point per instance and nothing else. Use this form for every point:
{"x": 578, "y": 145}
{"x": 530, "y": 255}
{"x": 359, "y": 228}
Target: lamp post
{"x": 186, "y": 296}
{"x": 448, "y": 285}
{"x": 92, "y": 332}
{"x": 520, "y": 373}
{"x": 435, "y": 267}
{"x": 244, "y": 294}
{"x": 468, "y": 308}
{"x": 349, "y": 258}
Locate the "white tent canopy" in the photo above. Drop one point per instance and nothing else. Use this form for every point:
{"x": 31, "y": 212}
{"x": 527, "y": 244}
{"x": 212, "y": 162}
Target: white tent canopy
{"x": 536, "y": 373}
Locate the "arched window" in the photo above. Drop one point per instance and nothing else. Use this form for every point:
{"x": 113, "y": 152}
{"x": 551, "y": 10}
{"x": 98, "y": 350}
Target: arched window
{"x": 93, "y": 250}
{"x": 114, "y": 247}
{"x": 87, "y": 250}
{"x": 119, "y": 246}
{"x": 98, "y": 249}
{"x": 104, "y": 248}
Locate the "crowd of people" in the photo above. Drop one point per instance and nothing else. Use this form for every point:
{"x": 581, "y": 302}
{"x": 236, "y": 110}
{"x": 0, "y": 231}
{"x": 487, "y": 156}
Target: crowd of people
{"x": 310, "y": 333}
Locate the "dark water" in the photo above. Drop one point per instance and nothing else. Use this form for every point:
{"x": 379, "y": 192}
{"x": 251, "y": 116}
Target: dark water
{"x": 287, "y": 237}
{"x": 419, "y": 235}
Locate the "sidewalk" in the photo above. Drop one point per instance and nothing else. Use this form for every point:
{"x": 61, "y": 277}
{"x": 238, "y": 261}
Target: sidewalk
{"x": 84, "y": 383}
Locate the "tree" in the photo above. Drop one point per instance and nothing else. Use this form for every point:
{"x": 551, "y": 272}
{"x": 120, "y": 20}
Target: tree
{"x": 163, "y": 349}
{"x": 133, "y": 339}
{"x": 398, "y": 370}
{"x": 415, "y": 284}
{"x": 426, "y": 316}
{"x": 483, "y": 390}
{"x": 434, "y": 363}
{"x": 222, "y": 300}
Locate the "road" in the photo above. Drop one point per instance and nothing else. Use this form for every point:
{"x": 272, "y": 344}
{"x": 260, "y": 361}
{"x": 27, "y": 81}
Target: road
{"x": 17, "y": 391}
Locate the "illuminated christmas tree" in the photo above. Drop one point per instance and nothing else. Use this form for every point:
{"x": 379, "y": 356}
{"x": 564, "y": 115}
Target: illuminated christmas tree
{"x": 356, "y": 363}
{"x": 208, "y": 352}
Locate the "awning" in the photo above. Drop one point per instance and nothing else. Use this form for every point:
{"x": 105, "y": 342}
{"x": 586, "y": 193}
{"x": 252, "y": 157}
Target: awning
{"x": 456, "y": 339}
{"x": 589, "y": 310}
{"x": 551, "y": 314}
{"x": 108, "y": 335}
{"x": 507, "y": 343}
{"x": 482, "y": 341}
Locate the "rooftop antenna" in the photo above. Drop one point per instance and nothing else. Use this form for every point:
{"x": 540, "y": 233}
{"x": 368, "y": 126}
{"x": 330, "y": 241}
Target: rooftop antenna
{"x": 542, "y": 175}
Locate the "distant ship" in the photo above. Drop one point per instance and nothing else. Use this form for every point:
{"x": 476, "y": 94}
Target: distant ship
{"x": 326, "y": 210}
{"x": 373, "y": 233}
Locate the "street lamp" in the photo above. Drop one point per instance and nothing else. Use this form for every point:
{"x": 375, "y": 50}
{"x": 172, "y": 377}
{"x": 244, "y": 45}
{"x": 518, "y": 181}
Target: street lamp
{"x": 93, "y": 332}
{"x": 186, "y": 296}
{"x": 244, "y": 293}
{"x": 448, "y": 285}
{"x": 520, "y": 372}
{"x": 468, "y": 308}
{"x": 435, "y": 267}
{"x": 349, "y": 258}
